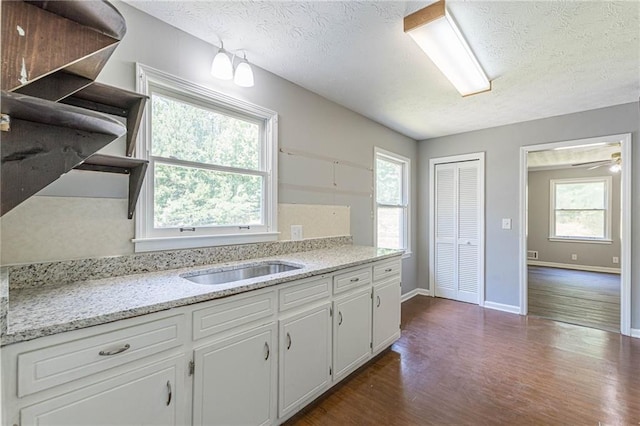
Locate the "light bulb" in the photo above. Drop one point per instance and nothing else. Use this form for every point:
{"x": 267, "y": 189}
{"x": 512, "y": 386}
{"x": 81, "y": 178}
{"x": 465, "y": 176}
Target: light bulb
{"x": 615, "y": 168}
{"x": 221, "y": 67}
{"x": 244, "y": 75}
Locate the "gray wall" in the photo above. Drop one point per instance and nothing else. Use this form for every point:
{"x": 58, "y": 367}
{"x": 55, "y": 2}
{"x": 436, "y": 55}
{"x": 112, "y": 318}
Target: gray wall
{"x": 502, "y": 148}
{"x": 307, "y": 122}
{"x": 589, "y": 254}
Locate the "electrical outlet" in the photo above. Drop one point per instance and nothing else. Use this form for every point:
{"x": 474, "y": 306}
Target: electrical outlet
{"x": 574, "y": 257}
{"x": 296, "y": 232}
{"x": 616, "y": 259}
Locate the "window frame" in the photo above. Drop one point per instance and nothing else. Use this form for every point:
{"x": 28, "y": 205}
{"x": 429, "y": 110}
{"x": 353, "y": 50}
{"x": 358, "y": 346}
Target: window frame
{"x": 148, "y": 238}
{"x": 405, "y": 162}
{"x": 607, "y": 180}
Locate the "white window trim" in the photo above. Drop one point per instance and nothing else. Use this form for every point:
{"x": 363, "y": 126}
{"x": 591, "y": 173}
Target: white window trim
{"x": 397, "y": 158}
{"x": 607, "y": 219}
{"x": 143, "y": 241}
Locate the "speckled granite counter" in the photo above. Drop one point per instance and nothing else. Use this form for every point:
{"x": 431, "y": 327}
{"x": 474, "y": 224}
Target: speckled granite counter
{"x": 39, "y": 311}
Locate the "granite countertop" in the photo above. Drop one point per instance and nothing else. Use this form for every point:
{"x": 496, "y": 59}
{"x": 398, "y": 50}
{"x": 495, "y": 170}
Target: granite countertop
{"x": 40, "y": 311}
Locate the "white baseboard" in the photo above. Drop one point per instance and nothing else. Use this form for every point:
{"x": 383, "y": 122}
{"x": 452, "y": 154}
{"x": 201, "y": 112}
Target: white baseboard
{"x": 635, "y": 332}
{"x": 502, "y": 307}
{"x": 575, "y": 267}
{"x": 415, "y": 292}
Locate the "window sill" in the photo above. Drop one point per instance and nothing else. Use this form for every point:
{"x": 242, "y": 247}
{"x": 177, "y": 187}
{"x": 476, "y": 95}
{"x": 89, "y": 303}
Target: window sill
{"x": 581, "y": 240}
{"x": 407, "y": 254}
{"x": 176, "y": 243}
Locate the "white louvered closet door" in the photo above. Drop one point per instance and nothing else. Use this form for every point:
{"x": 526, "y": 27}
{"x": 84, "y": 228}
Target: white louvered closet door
{"x": 457, "y": 231}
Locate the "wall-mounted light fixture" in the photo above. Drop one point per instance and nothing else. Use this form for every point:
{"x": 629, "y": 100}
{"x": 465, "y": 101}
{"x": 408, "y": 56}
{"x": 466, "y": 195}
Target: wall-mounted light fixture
{"x": 437, "y": 34}
{"x": 243, "y": 76}
{"x": 222, "y": 68}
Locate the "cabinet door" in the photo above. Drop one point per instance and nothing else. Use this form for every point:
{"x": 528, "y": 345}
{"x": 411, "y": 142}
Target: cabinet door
{"x": 351, "y": 332}
{"x": 147, "y": 396}
{"x": 305, "y": 356}
{"x": 235, "y": 380}
{"x": 386, "y": 313}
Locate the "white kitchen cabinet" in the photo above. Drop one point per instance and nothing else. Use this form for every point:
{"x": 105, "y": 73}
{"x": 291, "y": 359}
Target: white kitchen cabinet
{"x": 235, "y": 379}
{"x": 305, "y": 356}
{"x": 351, "y": 331}
{"x": 386, "y": 313}
{"x": 151, "y": 395}
{"x": 259, "y": 357}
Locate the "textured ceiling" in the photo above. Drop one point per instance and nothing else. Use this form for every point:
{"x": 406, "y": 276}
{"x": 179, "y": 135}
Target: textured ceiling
{"x": 545, "y": 58}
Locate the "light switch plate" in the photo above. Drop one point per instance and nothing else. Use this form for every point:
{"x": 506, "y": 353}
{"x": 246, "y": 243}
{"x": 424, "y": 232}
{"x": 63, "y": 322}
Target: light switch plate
{"x": 506, "y": 223}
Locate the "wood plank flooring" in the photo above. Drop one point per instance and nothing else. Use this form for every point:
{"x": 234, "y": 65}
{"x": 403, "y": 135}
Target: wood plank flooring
{"x": 591, "y": 299}
{"x": 460, "y": 364}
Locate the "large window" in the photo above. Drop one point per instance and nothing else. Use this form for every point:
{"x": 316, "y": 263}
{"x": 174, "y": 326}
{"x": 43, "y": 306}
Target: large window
{"x": 211, "y": 177}
{"x": 392, "y": 200}
{"x": 581, "y": 209}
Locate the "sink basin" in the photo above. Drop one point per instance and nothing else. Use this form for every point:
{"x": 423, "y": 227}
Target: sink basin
{"x": 240, "y": 273}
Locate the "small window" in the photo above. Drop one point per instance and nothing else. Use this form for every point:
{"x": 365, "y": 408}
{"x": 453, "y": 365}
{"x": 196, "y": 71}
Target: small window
{"x": 580, "y": 209}
{"x": 392, "y": 200}
{"x": 212, "y": 175}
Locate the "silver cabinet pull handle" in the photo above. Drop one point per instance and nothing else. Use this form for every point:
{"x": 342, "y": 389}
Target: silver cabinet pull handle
{"x": 340, "y": 315}
{"x": 170, "y": 392}
{"x": 288, "y": 341}
{"x": 378, "y": 297}
{"x": 354, "y": 280}
{"x": 115, "y": 351}
{"x": 388, "y": 270}
{"x": 266, "y": 345}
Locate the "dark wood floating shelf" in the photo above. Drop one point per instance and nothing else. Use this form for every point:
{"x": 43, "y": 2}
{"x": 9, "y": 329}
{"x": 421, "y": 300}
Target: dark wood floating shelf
{"x": 44, "y": 140}
{"x": 28, "y": 108}
{"x": 75, "y": 36}
{"x": 54, "y": 113}
{"x": 133, "y": 167}
{"x": 115, "y": 101}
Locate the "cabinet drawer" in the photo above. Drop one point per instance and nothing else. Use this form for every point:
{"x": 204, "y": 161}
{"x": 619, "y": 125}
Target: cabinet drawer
{"x": 232, "y": 312}
{"x": 305, "y": 292}
{"x": 386, "y": 269}
{"x": 54, "y": 365}
{"x": 351, "y": 279}
{"x": 147, "y": 395}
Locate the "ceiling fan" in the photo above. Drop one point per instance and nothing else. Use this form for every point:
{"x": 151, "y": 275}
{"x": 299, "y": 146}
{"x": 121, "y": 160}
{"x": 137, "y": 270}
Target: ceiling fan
{"x": 614, "y": 164}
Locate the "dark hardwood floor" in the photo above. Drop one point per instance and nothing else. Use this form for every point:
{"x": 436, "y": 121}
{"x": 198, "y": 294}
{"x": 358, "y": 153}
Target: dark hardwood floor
{"x": 591, "y": 299}
{"x": 460, "y": 364}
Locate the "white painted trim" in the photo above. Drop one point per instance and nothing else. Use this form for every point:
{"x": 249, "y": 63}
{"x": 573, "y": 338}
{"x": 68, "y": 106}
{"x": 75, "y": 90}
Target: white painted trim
{"x": 625, "y": 254}
{"x": 415, "y": 292}
{"x": 196, "y": 241}
{"x": 481, "y": 220}
{"x": 588, "y": 268}
{"x": 406, "y": 195}
{"x": 625, "y": 241}
{"x": 635, "y": 332}
{"x": 522, "y": 231}
{"x": 608, "y": 182}
{"x": 146, "y": 237}
{"x": 579, "y": 240}
{"x": 512, "y": 309}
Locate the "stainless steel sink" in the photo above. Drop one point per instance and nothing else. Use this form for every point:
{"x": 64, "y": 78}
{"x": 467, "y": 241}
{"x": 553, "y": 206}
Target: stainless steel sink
{"x": 240, "y": 273}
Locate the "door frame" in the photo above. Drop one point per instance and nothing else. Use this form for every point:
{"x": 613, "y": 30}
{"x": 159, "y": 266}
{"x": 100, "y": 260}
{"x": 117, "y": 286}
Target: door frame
{"x": 625, "y": 244}
{"x": 433, "y": 162}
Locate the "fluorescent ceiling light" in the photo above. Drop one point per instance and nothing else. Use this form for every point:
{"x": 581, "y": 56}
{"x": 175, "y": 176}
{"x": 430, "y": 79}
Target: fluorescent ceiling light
{"x": 438, "y": 35}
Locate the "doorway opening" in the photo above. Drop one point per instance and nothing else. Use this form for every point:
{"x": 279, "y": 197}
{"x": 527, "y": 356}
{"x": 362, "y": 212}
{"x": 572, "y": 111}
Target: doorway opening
{"x": 574, "y": 208}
